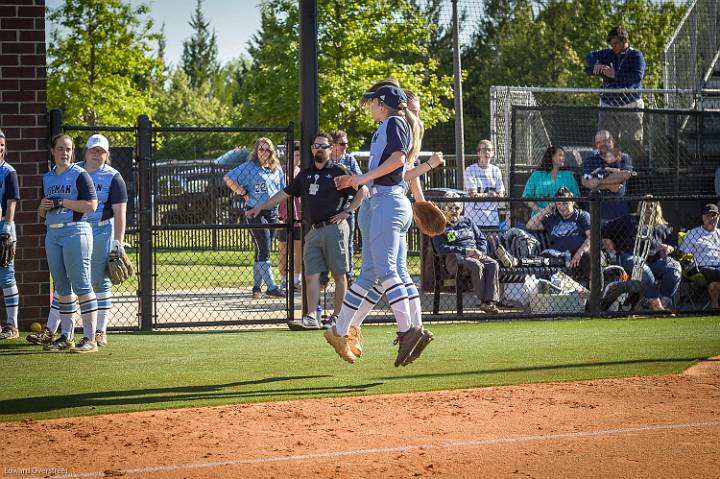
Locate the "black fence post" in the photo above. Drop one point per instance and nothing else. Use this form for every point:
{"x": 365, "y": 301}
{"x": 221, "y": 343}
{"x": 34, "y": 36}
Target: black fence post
{"x": 144, "y": 159}
{"x": 595, "y": 251}
{"x": 55, "y": 123}
{"x": 290, "y": 253}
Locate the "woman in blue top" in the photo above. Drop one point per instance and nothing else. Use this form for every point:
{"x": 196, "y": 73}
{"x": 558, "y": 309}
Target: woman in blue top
{"x": 256, "y": 181}
{"x": 390, "y": 213}
{"x": 68, "y": 197}
{"x": 9, "y": 196}
{"x": 548, "y": 179}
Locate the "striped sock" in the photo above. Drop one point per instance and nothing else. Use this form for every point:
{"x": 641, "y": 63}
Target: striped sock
{"x": 104, "y": 301}
{"x": 351, "y": 302}
{"x": 88, "y": 314}
{"x": 53, "y": 321}
{"x": 67, "y": 311}
{"x": 371, "y": 299}
{"x": 415, "y": 305}
{"x": 398, "y": 299}
{"x": 12, "y": 301}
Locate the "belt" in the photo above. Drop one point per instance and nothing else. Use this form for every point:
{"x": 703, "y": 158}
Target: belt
{"x": 321, "y": 224}
{"x": 374, "y": 190}
{"x": 62, "y": 225}
{"x": 102, "y": 223}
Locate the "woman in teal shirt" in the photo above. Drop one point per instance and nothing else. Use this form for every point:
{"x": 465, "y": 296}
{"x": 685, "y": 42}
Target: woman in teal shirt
{"x": 549, "y": 178}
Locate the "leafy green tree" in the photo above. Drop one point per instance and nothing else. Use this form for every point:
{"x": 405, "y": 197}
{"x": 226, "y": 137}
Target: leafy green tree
{"x": 358, "y": 43}
{"x": 100, "y": 62}
{"x": 520, "y": 42}
{"x": 199, "y": 57}
{"x": 182, "y": 105}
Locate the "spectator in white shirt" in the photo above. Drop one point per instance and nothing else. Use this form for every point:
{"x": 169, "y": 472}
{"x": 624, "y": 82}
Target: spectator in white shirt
{"x": 482, "y": 180}
{"x": 703, "y": 243}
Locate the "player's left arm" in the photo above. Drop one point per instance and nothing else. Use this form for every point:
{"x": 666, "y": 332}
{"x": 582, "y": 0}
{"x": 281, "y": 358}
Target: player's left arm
{"x": 118, "y": 198}
{"x": 12, "y": 195}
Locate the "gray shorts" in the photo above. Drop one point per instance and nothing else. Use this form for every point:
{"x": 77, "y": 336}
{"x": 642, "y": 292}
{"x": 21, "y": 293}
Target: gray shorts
{"x": 326, "y": 249}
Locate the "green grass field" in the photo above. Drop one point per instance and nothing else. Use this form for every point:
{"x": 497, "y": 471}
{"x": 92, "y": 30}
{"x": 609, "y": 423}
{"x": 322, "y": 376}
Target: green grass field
{"x": 213, "y": 269}
{"x": 165, "y": 370}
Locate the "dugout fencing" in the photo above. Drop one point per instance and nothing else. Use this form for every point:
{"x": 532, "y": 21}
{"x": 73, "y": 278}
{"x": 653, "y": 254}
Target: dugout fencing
{"x": 194, "y": 250}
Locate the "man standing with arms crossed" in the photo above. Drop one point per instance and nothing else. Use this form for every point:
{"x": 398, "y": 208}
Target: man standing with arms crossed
{"x": 325, "y": 214}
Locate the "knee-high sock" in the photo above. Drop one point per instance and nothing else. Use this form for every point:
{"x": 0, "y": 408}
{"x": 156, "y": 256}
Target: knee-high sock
{"x": 12, "y": 301}
{"x": 257, "y": 275}
{"x": 266, "y": 274}
{"x": 415, "y": 305}
{"x": 88, "y": 314}
{"x": 398, "y": 299}
{"x": 104, "y": 301}
{"x": 371, "y": 299}
{"x": 54, "y": 317}
{"x": 68, "y": 308}
{"x": 357, "y": 303}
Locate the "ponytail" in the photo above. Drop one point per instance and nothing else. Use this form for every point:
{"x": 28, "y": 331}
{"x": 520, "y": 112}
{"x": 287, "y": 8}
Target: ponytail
{"x": 417, "y": 131}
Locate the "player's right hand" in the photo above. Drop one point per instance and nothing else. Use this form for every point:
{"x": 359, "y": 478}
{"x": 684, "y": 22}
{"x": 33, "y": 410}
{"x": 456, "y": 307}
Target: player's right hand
{"x": 253, "y": 212}
{"x": 342, "y": 182}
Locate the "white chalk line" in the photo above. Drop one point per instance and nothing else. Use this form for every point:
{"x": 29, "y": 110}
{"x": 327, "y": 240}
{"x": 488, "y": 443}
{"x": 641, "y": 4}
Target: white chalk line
{"x": 385, "y": 450}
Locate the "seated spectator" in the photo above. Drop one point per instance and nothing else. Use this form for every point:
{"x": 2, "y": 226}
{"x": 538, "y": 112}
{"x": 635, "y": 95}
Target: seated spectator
{"x": 464, "y": 244}
{"x": 607, "y": 172}
{"x": 619, "y": 237}
{"x": 483, "y": 179}
{"x": 568, "y": 228}
{"x": 703, "y": 243}
{"x": 548, "y": 179}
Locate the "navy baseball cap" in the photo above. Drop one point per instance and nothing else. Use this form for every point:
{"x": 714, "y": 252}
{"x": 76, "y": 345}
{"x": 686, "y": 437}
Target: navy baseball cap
{"x": 391, "y": 95}
{"x": 710, "y": 209}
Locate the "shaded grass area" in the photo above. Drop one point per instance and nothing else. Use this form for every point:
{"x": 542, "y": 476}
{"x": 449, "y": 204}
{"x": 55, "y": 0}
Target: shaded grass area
{"x": 164, "y": 370}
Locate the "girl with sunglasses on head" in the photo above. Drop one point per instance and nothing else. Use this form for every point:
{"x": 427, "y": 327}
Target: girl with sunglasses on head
{"x": 256, "y": 181}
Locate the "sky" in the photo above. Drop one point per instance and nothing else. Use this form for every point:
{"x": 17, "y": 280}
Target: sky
{"x": 234, "y": 22}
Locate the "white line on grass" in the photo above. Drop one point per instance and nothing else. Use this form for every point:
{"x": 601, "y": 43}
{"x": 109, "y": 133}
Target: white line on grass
{"x": 385, "y": 450}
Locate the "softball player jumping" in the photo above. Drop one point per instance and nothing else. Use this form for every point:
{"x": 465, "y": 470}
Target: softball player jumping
{"x": 9, "y": 196}
{"x": 257, "y": 181}
{"x": 69, "y": 195}
{"x": 389, "y": 210}
{"x": 364, "y": 294}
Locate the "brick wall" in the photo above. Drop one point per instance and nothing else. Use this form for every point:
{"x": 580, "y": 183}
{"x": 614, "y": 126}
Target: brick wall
{"x": 23, "y": 118}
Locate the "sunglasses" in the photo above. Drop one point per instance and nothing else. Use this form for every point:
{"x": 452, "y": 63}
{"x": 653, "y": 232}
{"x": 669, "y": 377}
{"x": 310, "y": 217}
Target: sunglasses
{"x": 321, "y": 146}
{"x": 263, "y": 148}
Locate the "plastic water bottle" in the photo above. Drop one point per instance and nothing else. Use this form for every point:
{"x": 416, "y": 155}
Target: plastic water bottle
{"x": 318, "y": 312}
{"x": 568, "y": 258}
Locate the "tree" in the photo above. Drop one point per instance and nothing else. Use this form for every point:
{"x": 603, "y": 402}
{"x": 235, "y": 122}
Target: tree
{"x": 182, "y": 105}
{"x": 520, "y": 42}
{"x": 100, "y": 62}
{"x": 359, "y": 43}
{"x": 199, "y": 58}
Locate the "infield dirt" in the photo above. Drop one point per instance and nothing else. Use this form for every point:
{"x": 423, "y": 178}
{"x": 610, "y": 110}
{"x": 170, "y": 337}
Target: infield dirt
{"x": 645, "y": 427}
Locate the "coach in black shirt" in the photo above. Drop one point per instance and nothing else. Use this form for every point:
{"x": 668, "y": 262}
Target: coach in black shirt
{"x": 324, "y": 217}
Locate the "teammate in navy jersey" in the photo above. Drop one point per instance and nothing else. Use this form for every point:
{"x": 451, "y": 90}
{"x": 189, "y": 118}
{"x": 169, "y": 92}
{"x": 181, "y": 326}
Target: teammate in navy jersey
{"x": 256, "y": 181}
{"x": 9, "y": 196}
{"x": 390, "y": 212}
{"x": 108, "y": 227}
{"x": 68, "y": 197}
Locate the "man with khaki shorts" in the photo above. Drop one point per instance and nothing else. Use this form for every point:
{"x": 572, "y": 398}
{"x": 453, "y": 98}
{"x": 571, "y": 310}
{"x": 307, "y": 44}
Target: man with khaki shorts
{"x": 325, "y": 217}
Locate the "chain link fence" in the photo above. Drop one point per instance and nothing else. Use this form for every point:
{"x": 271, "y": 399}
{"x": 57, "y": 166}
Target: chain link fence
{"x": 690, "y": 56}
